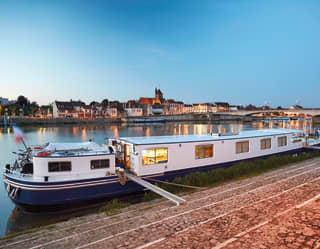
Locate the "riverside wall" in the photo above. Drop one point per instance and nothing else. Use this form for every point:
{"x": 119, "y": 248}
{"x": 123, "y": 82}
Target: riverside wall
{"x": 200, "y": 117}
{"x": 59, "y": 121}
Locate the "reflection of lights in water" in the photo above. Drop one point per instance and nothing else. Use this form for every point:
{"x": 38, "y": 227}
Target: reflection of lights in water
{"x": 175, "y": 131}
{"x": 194, "y": 129}
{"x": 186, "y": 129}
{"x": 201, "y": 129}
{"x": 220, "y": 128}
{"x": 179, "y": 130}
{"x": 116, "y": 132}
{"x": 255, "y": 124}
{"x": 283, "y": 124}
{"x": 258, "y": 125}
{"x": 74, "y": 130}
{"x": 292, "y": 124}
{"x": 198, "y": 129}
{"x": 305, "y": 128}
{"x": 148, "y": 132}
{"x": 40, "y": 131}
{"x": 270, "y": 125}
{"x": 210, "y": 128}
{"x": 240, "y": 128}
{"x": 84, "y": 134}
{"x": 138, "y": 129}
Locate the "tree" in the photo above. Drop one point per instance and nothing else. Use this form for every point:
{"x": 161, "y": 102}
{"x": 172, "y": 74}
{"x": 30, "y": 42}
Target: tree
{"x": 250, "y": 107}
{"x": 47, "y": 107}
{"x": 93, "y": 103}
{"x": 105, "y": 103}
{"x": 22, "y": 101}
{"x": 34, "y": 104}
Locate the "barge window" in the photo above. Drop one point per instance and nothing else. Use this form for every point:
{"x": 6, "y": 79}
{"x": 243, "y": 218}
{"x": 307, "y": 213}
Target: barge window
{"x": 265, "y": 143}
{"x": 100, "y": 164}
{"x": 154, "y": 156}
{"x": 242, "y": 147}
{"x": 59, "y": 166}
{"x": 282, "y": 141}
{"x": 204, "y": 151}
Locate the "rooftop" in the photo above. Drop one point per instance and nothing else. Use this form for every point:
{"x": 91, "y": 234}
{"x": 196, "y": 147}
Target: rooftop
{"x": 209, "y": 137}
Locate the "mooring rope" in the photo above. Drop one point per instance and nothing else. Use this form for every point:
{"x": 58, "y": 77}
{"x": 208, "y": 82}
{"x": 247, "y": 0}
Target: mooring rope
{"x": 176, "y": 184}
{"x": 122, "y": 177}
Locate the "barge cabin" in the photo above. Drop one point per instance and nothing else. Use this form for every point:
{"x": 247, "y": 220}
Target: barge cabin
{"x": 145, "y": 156}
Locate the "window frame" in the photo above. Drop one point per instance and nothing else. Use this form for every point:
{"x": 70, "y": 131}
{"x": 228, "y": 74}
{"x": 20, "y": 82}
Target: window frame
{"x": 59, "y": 166}
{"x": 99, "y": 160}
{"x": 280, "y": 141}
{"x": 242, "y": 142}
{"x": 155, "y": 156}
{"x": 203, "y": 145}
{"x": 263, "y": 144}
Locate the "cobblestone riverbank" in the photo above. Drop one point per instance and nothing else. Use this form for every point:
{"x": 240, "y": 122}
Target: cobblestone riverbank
{"x": 279, "y": 209}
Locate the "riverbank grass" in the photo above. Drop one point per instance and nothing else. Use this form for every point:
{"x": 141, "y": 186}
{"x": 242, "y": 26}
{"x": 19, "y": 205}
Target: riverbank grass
{"x": 113, "y": 207}
{"x": 242, "y": 170}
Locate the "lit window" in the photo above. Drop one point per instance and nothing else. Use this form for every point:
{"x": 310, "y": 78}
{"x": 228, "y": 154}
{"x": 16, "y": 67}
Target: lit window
{"x": 242, "y": 147}
{"x": 100, "y": 164}
{"x": 154, "y": 156}
{"x": 204, "y": 151}
{"x": 59, "y": 166}
{"x": 265, "y": 143}
{"x": 282, "y": 141}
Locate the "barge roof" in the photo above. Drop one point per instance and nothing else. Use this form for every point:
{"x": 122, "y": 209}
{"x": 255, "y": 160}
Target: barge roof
{"x": 74, "y": 149}
{"x": 209, "y": 137}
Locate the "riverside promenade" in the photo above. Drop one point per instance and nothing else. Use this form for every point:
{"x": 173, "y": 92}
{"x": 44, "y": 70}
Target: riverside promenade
{"x": 278, "y": 209}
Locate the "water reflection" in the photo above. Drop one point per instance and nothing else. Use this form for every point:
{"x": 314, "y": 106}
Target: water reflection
{"x": 115, "y": 132}
{"x": 10, "y": 215}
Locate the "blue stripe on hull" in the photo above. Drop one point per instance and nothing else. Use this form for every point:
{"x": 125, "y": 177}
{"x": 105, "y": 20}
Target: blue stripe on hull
{"x": 63, "y": 196}
{"x": 69, "y": 195}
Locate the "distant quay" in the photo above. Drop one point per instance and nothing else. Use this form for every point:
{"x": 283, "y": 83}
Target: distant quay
{"x": 59, "y": 121}
{"x": 167, "y": 118}
{"x": 194, "y": 117}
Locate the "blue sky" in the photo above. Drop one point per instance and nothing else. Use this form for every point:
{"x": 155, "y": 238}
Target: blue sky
{"x": 241, "y": 51}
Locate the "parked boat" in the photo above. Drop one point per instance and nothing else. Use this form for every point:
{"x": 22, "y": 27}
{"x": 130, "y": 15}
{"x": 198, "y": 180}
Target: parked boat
{"x": 281, "y": 119}
{"x": 59, "y": 173}
{"x": 143, "y": 120}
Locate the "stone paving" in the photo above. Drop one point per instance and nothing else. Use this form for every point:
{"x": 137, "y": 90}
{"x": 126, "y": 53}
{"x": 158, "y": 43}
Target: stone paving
{"x": 299, "y": 228}
{"x": 211, "y": 218}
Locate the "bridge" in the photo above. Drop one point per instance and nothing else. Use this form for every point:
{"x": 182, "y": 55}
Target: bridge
{"x": 309, "y": 112}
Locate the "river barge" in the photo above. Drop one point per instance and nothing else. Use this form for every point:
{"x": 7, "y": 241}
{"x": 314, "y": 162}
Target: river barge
{"x": 60, "y": 173}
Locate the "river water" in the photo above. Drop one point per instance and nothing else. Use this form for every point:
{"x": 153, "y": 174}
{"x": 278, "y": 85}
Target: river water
{"x": 13, "y": 219}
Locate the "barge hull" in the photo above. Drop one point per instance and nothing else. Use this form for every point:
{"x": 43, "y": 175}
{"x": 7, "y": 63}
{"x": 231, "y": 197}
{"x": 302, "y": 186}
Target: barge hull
{"x": 56, "y": 193}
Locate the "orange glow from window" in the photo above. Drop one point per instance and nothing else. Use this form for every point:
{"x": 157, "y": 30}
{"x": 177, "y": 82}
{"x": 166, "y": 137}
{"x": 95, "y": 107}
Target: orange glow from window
{"x": 116, "y": 132}
{"x": 84, "y": 134}
{"x": 186, "y": 129}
